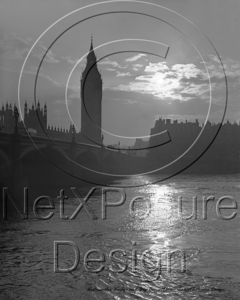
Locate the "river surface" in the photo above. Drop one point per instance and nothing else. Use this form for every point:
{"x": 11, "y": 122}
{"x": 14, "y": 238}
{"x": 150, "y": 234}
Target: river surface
{"x": 161, "y": 255}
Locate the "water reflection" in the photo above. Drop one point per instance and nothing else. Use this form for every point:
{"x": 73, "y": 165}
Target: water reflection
{"x": 211, "y": 248}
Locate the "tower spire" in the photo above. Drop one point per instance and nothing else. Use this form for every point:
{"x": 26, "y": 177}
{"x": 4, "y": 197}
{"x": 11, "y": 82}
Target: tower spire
{"x": 91, "y": 58}
{"x": 91, "y": 48}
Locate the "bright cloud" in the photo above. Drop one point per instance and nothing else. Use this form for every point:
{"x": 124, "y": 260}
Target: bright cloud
{"x": 156, "y": 67}
{"x": 119, "y": 74}
{"x": 136, "y": 67}
{"x": 231, "y": 67}
{"x": 155, "y": 84}
{"x": 166, "y": 82}
{"x": 111, "y": 70}
{"x": 109, "y": 62}
{"x": 135, "y": 57}
{"x": 188, "y": 70}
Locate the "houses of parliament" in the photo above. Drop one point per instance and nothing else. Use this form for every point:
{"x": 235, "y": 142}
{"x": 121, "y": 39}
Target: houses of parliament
{"x": 35, "y": 117}
{"x": 221, "y": 142}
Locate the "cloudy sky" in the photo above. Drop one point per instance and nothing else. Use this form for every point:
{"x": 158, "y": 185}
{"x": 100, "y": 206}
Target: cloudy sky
{"x": 164, "y": 69}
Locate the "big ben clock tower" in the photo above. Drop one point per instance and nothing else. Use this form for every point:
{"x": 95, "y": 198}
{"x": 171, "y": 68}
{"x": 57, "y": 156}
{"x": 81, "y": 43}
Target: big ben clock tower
{"x": 91, "y": 100}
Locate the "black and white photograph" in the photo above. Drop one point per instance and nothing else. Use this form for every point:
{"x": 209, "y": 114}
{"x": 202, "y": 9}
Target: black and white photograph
{"x": 119, "y": 149}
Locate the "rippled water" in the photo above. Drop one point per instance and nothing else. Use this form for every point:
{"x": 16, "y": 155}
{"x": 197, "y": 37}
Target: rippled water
{"x": 211, "y": 246}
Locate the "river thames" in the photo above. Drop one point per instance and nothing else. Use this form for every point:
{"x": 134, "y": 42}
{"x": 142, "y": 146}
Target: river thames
{"x": 133, "y": 246}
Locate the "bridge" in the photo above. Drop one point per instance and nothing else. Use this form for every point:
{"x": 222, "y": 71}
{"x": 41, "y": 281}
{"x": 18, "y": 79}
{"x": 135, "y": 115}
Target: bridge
{"x": 45, "y": 165}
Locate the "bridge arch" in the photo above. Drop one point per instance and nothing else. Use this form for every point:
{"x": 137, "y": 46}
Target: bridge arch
{"x": 41, "y": 147}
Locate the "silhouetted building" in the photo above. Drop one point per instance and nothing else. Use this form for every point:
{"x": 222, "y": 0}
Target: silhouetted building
{"x": 35, "y": 121}
{"x": 35, "y": 118}
{"x": 216, "y": 146}
{"x": 7, "y": 121}
{"x": 141, "y": 147}
{"x": 91, "y": 100}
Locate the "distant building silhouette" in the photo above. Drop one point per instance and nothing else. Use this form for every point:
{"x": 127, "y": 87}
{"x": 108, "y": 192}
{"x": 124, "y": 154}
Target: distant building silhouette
{"x": 221, "y": 148}
{"x": 35, "y": 120}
